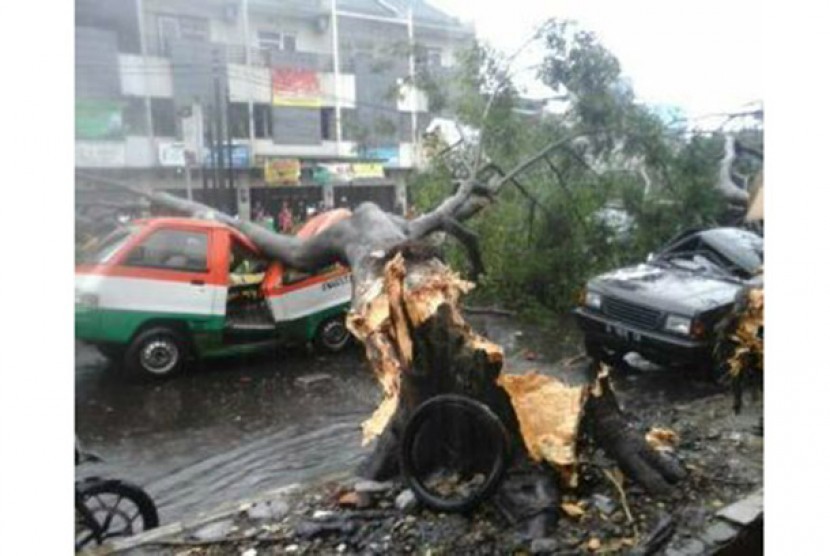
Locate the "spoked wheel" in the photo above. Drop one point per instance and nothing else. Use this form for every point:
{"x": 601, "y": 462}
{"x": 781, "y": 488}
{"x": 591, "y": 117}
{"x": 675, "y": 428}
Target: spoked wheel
{"x": 454, "y": 453}
{"x": 109, "y": 509}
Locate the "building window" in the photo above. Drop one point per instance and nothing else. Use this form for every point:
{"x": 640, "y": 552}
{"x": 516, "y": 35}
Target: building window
{"x": 135, "y": 116}
{"x": 269, "y": 40}
{"x": 262, "y": 121}
{"x": 428, "y": 57}
{"x": 239, "y": 120}
{"x": 163, "y": 113}
{"x": 171, "y": 28}
{"x": 327, "y": 124}
{"x": 289, "y": 43}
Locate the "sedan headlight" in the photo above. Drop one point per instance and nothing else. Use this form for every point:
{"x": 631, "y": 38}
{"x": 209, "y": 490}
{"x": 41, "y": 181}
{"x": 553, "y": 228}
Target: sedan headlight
{"x": 593, "y": 300}
{"x": 679, "y": 325}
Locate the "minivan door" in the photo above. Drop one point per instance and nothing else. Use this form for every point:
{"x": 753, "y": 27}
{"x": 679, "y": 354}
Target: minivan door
{"x": 166, "y": 275}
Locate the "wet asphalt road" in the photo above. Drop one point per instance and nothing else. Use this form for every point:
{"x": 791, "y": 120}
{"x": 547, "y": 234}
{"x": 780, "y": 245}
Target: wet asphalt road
{"x": 223, "y": 432}
{"x": 238, "y": 427}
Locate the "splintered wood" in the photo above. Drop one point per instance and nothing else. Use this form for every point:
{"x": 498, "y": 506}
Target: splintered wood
{"x": 749, "y": 347}
{"x": 549, "y": 412}
{"x": 388, "y": 309}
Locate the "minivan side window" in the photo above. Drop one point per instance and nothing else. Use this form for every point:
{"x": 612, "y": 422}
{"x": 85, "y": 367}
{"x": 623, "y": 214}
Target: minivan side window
{"x": 171, "y": 250}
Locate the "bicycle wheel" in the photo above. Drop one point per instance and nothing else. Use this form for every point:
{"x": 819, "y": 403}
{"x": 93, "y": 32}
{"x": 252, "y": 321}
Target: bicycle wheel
{"x": 454, "y": 453}
{"x": 105, "y": 509}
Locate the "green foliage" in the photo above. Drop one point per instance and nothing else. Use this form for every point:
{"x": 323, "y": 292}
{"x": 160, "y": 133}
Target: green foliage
{"x": 539, "y": 254}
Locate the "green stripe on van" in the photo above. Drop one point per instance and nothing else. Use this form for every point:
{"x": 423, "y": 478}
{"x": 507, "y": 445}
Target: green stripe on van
{"x": 119, "y": 326}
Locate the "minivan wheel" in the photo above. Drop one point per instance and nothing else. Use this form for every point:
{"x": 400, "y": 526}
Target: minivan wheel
{"x": 332, "y": 335}
{"x": 156, "y": 352}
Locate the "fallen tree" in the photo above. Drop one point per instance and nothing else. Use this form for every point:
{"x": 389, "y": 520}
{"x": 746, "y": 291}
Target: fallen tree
{"x": 406, "y": 311}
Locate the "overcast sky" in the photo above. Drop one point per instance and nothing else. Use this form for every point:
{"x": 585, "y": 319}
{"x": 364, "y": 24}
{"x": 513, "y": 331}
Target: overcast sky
{"x": 700, "y": 55}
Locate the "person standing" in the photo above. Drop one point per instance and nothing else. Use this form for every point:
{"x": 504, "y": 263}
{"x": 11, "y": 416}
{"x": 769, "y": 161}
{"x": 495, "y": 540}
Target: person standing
{"x": 286, "y": 218}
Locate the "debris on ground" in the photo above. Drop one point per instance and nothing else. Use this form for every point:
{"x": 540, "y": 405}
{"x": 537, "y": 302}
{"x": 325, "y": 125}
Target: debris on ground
{"x": 711, "y": 508}
{"x": 313, "y": 379}
{"x": 662, "y": 439}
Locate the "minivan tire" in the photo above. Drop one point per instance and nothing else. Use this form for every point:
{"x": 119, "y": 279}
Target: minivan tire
{"x": 332, "y": 335}
{"x": 157, "y": 352}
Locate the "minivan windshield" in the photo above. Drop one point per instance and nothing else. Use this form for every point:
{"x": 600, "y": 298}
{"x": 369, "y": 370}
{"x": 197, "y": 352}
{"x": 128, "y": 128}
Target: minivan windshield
{"x": 103, "y": 251}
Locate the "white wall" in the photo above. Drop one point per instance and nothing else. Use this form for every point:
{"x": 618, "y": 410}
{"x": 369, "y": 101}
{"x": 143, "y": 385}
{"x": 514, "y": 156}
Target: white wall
{"x": 412, "y": 99}
{"x": 100, "y": 154}
{"x": 145, "y": 77}
{"x": 266, "y": 147}
{"x": 249, "y": 83}
{"x": 406, "y": 155}
{"x": 346, "y": 92}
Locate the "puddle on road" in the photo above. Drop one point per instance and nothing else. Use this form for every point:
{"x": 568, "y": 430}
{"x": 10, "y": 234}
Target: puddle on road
{"x": 228, "y": 431}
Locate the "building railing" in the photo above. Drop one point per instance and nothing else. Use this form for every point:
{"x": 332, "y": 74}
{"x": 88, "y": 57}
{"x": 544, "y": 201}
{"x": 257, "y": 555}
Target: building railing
{"x": 265, "y": 57}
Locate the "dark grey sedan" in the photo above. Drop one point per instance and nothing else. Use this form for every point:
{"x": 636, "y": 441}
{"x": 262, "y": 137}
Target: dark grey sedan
{"x": 667, "y": 308}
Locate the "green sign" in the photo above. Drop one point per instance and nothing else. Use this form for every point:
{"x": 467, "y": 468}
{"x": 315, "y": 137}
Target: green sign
{"x": 98, "y": 119}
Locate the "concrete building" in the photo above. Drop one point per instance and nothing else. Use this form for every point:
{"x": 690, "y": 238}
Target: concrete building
{"x": 314, "y": 95}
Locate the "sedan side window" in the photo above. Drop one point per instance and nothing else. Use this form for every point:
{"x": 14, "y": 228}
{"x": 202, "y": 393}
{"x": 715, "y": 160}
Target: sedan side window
{"x": 171, "y": 250}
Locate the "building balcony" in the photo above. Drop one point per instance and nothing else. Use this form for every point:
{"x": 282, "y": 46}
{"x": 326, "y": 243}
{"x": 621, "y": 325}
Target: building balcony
{"x": 153, "y": 76}
{"x": 264, "y": 57}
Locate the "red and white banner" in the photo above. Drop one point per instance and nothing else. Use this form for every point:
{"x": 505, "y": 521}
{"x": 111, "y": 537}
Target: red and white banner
{"x": 295, "y": 87}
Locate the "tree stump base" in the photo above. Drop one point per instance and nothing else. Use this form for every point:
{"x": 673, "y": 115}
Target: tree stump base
{"x": 420, "y": 346}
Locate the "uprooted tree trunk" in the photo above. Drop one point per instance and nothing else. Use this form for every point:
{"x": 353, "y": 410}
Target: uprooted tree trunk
{"x": 420, "y": 346}
{"x": 405, "y": 310}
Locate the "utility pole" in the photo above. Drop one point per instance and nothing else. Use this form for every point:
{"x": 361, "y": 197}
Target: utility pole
{"x": 188, "y": 179}
{"x": 246, "y": 26}
{"x": 228, "y": 119}
{"x": 410, "y": 27}
{"x": 148, "y": 112}
{"x": 217, "y": 113}
{"x": 335, "y": 48}
{"x": 213, "y": 154}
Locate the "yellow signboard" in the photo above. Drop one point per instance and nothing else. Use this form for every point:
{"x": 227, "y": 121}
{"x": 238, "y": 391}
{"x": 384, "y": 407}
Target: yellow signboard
{"x": 367, "y": 170}
{"x": 284, "y": 171}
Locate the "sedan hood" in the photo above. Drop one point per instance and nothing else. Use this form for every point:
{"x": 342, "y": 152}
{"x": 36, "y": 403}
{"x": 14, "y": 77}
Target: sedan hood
{"x": 667, "y": 289}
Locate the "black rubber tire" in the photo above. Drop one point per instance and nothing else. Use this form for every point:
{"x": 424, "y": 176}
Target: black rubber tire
{"x": 488, "y": 421}
{"x": 323, "y": 337}
{"x": 135, "y": 494}
{"x": 169, "y": 340}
